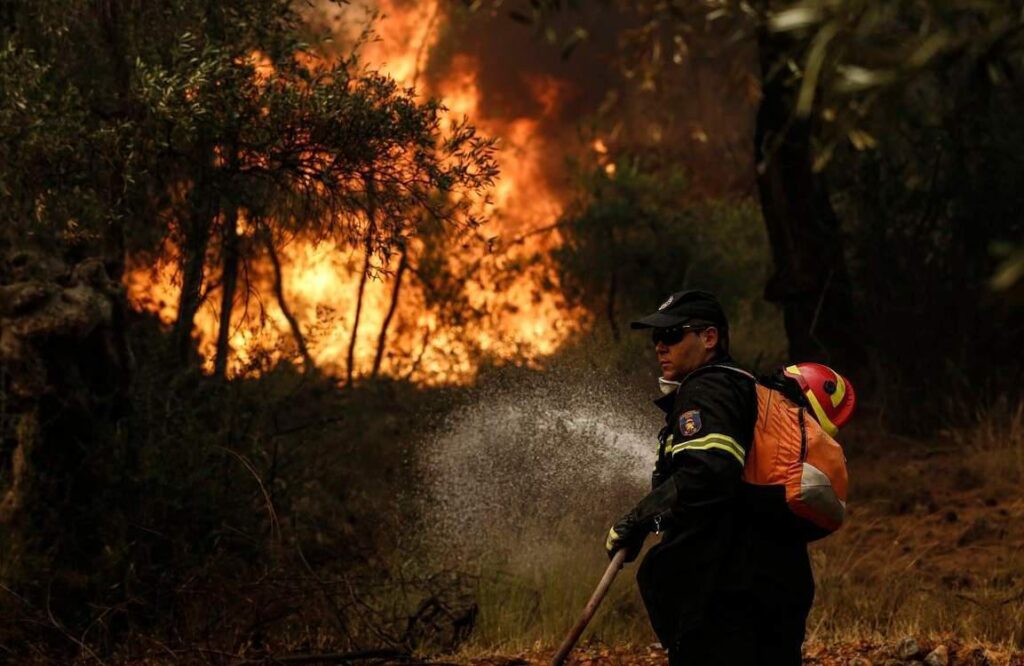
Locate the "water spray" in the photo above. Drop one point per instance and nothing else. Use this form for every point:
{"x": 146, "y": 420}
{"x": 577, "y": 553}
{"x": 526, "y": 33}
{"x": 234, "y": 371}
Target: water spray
{"x": 527, "y": 455}
{"x": 530, "y": 472}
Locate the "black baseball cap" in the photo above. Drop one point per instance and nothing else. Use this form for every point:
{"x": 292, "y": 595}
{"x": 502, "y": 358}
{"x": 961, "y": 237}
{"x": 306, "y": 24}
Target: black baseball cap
{"x": 685, "y": 307}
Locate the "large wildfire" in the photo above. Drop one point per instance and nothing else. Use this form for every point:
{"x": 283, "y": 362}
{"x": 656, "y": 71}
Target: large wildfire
{"x": 508, "y": 284}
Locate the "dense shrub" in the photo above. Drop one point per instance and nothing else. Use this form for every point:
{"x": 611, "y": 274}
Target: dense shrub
{"x": 636, "y": 234}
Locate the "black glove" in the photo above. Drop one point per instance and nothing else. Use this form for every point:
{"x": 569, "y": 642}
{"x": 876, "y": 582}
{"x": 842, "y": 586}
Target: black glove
{"x": 628, "y": 534}
{"x": 653, "y": 513}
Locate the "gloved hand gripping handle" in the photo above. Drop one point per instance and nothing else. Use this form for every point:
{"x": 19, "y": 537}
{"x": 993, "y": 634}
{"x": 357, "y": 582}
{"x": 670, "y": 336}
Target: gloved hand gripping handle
{"x": 653, "y": 514}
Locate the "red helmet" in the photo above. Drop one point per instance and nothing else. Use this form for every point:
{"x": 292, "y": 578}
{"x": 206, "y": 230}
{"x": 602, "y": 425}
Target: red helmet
{"x": 830, "y": 394}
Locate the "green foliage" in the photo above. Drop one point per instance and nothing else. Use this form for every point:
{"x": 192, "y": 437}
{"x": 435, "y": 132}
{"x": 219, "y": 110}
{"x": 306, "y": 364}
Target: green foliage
{"x": 53, "y": 152}
{"x": 1011, "y": 268}
{"x": 626, "y": 229}
{"x": 635, "y": 236}
{"x": 923, "y": 210}
{"x": 202, "y": 98}
{"x": 849, "y": 57}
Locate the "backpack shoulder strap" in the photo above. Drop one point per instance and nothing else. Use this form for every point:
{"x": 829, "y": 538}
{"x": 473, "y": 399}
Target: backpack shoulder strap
{"x": 717, "y": 366}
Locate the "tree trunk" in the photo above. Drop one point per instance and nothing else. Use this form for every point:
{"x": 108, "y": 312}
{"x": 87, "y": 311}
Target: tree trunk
{"x": 613, "y": 288}
{"x": 371, "y": 214}
{"x": 403, "y": 263}
{"x": 293, "y": 323}
{"x": 229, "y": 282}
{"x": 109, "y": 17}
{"x": 810, "y": 281}
{"x": 196, "y": 237}
{"x": 65, "y": 373}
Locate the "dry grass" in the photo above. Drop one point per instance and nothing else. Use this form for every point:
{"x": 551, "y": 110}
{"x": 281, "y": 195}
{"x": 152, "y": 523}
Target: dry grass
{"x": 932, "y": 545}
{"x": 995, "y": 445}
{"x": 540, "y": 601}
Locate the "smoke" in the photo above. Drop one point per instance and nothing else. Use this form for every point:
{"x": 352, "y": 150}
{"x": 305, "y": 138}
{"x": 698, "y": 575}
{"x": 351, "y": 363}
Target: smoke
{"x": 521, "y": 76}
{"x": 698, "y": 114}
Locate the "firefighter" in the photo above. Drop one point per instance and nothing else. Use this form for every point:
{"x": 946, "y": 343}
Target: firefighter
{"x": 723, "y": 586}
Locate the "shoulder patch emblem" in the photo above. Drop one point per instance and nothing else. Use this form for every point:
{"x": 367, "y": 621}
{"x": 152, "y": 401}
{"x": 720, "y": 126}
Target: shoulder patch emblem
{"x": 689, "y": 422}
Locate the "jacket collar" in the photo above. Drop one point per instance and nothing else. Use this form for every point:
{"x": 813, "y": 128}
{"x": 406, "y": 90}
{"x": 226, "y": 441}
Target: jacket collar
{"x": 666, "y": 402}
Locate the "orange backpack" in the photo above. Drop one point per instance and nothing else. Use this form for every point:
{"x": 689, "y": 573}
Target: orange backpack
{"x": 791, "y": 451}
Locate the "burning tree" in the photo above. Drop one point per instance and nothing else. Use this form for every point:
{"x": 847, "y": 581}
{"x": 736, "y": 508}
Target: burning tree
{"x": 223, "y": 133}
{"x": 210, "y": 132}
{"x": 297, "y": 146}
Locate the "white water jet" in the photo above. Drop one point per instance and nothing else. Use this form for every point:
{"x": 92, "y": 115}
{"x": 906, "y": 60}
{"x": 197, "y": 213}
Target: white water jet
{"x": 524, "y": 462}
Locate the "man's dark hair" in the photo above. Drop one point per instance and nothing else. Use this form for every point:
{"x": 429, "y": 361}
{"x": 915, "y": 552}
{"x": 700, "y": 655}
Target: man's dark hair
{"x": 723, "y": 340}
{"x": 722, "y": 346}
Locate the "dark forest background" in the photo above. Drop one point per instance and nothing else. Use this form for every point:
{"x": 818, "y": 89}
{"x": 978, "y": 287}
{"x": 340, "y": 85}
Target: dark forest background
{"x": 860, "y": 202}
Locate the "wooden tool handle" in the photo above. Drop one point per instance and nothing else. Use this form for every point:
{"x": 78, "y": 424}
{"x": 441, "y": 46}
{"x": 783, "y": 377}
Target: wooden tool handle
{"x": 588, "y": 611}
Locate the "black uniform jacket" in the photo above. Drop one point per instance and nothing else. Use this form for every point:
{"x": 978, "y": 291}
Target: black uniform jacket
{"x": 725, "y": 584}
{"x": 709, "y": 427}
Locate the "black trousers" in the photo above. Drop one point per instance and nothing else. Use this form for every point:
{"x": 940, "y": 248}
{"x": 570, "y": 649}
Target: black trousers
{"x": 747, "y": 610}
{"x": 756, "y": 635}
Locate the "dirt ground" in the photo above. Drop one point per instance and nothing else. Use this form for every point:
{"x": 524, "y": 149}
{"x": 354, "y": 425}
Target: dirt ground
{"x": 851, "y": 654}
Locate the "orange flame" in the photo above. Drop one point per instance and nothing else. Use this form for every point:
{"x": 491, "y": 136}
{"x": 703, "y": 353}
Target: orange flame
{"x": 520, "y": 313}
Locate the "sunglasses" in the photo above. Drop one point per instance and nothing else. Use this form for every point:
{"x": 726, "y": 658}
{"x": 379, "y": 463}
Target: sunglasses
{"x": 673, "y": 335}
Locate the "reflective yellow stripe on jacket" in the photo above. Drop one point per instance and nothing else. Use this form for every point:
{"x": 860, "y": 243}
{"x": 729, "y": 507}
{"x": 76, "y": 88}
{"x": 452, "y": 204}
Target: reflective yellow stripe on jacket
{"x": 712, "y": 441}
